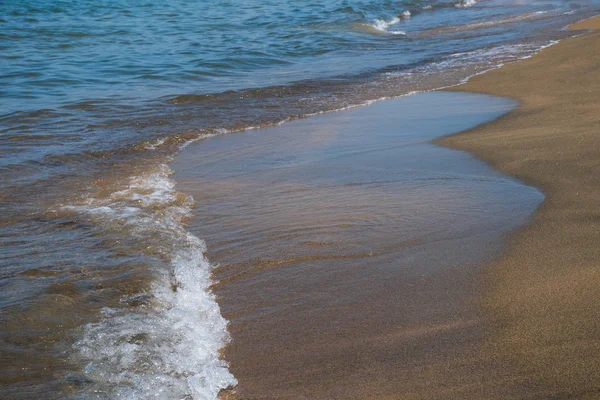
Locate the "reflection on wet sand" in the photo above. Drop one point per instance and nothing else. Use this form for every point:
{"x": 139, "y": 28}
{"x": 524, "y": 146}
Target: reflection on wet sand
{"x": 346, "y": 246}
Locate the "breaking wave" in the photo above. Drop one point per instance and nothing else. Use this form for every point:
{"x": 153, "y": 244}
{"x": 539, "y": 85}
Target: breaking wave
{"x": 164, "y": 342}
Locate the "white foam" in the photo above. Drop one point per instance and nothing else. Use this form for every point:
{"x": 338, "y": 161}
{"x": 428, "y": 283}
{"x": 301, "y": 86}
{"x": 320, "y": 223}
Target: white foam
{"x": 465, "y": 3}
{"x": 383, "y": 26}
{"x": 168, "y": 347}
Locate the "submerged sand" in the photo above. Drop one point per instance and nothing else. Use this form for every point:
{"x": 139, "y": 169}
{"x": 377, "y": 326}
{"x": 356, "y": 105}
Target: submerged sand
{"x": 543, "y": 296}
{"x": 346, "y": 247}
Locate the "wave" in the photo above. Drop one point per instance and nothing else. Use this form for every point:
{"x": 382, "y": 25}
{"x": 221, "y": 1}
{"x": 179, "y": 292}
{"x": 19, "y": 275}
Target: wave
{"x": 164, "y": 342}
{"x": 382, "y": 27}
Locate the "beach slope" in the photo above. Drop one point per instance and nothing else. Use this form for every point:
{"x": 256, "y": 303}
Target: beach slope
{"x": 543, "y": 294}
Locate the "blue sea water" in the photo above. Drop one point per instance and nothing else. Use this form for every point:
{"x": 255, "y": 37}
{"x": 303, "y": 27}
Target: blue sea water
{"x": 96, "y": 97}
{"x": 66, "y": 63}
{"x": 57, "y": 53}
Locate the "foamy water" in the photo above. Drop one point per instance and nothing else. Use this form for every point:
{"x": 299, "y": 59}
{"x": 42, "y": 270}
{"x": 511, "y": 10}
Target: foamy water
{"x": 465, "y": 3}
{"x": 167, "y": 345}
{"x": 384, "y": 26}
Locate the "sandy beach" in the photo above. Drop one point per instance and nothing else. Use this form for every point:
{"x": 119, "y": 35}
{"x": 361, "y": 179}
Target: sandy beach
{"x": 542, "y": 297}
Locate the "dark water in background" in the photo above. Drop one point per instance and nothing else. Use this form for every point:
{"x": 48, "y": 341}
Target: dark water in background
{"x": 97, "y": 96}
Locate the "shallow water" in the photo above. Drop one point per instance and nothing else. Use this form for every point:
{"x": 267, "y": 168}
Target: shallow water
{"x": 371, "y": 169}
{"x": 97, "y": 97}
{"x": 334, "y": 232}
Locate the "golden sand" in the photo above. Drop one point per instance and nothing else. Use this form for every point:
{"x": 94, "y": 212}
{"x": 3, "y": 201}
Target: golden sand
{"x": 543, "y": 295}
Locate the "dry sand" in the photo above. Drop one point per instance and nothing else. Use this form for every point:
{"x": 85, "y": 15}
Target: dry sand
{"x": 543, "y": 296}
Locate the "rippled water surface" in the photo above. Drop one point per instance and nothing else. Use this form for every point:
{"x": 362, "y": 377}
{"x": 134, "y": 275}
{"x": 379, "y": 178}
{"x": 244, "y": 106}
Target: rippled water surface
{"x": 60, "y": 52}
{"x": 96, "y": 97}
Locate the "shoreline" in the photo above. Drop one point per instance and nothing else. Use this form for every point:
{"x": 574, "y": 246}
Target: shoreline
{"x": 542, "y": 295}
{"x": 524, "y": 336}
{"x": 346, "y": 246}
{"x": 510, "y": 329}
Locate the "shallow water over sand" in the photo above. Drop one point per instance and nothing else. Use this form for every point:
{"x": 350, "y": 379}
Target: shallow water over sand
{"x": 348, "y": 245}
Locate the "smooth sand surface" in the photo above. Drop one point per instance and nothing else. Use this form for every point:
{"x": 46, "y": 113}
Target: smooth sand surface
{"x": 542, "y": 298}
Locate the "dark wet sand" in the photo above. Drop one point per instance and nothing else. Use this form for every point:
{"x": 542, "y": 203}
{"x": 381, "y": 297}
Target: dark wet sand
{"x": 542, "y": 298}
{"x": 348, "y": 249}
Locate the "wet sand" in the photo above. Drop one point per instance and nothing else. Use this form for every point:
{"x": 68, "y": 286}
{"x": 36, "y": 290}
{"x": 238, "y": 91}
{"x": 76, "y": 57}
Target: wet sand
{"x": 543, "y": 296}
{"x": 348, "y": 248}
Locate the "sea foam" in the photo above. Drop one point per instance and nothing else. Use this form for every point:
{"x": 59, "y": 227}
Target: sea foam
{"x": 167, "y": 345}
{"x": 383, "y": 26}
{"x": 465, "y": 3}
